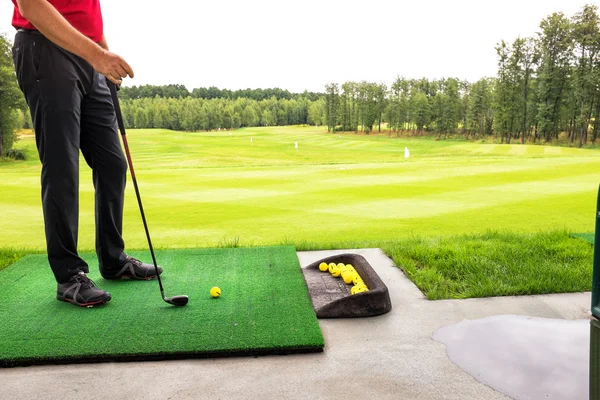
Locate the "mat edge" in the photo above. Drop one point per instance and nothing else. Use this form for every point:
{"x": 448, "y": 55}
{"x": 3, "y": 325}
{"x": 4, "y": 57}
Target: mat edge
{"x": 160, "y": 357}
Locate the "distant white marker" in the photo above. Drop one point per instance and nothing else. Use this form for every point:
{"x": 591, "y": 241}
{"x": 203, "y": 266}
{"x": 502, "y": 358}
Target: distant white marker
{"x": 406, "y": 152}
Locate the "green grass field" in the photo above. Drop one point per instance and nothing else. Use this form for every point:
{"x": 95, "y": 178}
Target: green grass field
{"x": 219, "y": 189}
{"x": 202, "y": 189}
{"x": 498, "y": 264}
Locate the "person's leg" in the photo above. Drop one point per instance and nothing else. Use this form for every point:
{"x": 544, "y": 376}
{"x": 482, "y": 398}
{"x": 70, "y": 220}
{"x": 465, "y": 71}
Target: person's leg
{"x": 101, "y": 147}
{"x": 53, "y": 87}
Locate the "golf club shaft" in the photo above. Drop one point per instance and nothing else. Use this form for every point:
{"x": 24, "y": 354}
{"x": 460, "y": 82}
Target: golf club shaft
{"x": 113, "y": 92}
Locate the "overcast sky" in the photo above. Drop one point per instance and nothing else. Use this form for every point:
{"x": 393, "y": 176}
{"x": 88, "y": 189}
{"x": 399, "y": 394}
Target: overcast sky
{"x": 298, "y": 45}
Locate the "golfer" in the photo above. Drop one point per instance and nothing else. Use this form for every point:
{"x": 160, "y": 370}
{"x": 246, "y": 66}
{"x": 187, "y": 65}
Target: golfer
{"x": 63, "y": 63}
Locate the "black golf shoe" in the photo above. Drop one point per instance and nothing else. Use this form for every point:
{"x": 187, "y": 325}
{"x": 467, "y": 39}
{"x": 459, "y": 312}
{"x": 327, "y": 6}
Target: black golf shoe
{"x": 81, "y": 291}
{"x": 132, "y": 268}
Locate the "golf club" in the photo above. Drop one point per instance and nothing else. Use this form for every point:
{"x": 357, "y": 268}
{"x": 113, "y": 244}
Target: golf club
{"x": 175, "y": 300}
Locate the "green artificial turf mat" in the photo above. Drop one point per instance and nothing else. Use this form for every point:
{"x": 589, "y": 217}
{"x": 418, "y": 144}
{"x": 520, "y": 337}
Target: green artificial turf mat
{"x": 264, "y": 309}
{"x": 589, "y": 237}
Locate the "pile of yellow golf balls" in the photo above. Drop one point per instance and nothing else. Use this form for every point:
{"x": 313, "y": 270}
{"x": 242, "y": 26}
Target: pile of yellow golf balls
{"x": 348, "y": 275}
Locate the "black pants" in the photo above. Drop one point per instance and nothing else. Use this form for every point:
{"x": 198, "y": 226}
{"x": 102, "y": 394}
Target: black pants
{"x": 72, "y": 109}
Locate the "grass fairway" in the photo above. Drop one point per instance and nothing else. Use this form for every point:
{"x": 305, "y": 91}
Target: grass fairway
{"x": 206, "y": 189}
{"x": 222, "y": 189}
{"x": 263, "y": 312}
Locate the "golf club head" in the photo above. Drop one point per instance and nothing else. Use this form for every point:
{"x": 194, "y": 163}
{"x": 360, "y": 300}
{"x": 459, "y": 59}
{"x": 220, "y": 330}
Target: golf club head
{"x": 177, "y": 300}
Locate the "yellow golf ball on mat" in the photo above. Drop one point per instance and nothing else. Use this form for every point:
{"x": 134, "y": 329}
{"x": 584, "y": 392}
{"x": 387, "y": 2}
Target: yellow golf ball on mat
{"x": 332, "y": 266}
{"x": 215, "y": 292}
{"x": 323, "y": 267}
{"x": 357, "y": 279}
{"x": 336, "y": 272}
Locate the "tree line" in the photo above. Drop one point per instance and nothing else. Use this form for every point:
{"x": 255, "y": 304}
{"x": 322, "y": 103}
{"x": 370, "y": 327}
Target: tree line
{"x": 546, "y": 85}
{"x": 180, "y": 91}
{"x": 174, "y": 107}
{"x": 408, "y": 105}
{"x": 192, "y": 114}
{"x": 443, "y": 106}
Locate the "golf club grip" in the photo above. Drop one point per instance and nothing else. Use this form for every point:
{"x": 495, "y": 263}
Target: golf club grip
{"x": 113, "y": 93}
{"x": 115, "y": 99}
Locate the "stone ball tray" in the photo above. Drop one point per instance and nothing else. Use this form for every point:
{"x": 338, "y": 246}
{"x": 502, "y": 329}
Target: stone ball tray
{"x": 331, "y": 297}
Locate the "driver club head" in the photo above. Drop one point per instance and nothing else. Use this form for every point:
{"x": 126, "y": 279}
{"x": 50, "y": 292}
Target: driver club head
{"x": 177, "y": 300}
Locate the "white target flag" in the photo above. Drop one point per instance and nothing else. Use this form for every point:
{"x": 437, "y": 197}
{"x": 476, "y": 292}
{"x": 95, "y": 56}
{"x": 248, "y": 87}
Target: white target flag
{"x": 296, "y": 145}
{"x": 250, "y": 140}
{"x": 406, "y": 152}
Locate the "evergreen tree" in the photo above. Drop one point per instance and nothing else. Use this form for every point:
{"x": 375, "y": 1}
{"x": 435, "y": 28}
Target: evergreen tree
{"x": 11, "y": 98}
{"x": 331, "y": 105}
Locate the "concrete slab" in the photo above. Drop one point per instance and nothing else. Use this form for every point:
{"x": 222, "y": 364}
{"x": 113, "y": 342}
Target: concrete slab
{"x": 392, "y": 356}
{"x": 523, "y": 357}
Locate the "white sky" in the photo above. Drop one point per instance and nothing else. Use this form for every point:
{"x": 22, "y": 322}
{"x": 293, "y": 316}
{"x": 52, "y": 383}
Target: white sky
{"x": 305, "y": 44}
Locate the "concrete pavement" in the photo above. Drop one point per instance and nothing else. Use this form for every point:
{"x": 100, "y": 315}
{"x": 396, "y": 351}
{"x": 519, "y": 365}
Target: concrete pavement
{"x": 392, "y": 356}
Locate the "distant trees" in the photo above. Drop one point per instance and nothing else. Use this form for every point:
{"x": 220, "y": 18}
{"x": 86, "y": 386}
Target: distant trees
{"x": 549, "y": 84}
{"x": 555, "y": 44}
{"x": 194, "y": 114}
{"x": 316, "y": 112}
{"x": 446, "y": 107}
{"x": 586, "y": 59}
{"x": 180, "y": 91}
{"x": 144, "y": 91}
{"x": 506, "y": 92}
{"x": 526, "y": 57}
{"x": 398, "y": 111}
{"x": 358, "y": 105}
{"x": 174, "y": 107}
{"x": 11, "y": 99}
{"x": 420, "y": 110}
{"x": 406, "y": 105}
{"x": 479, "y": 108}
{"x": 331, "y": 105}
{"x": 546, "y": 86}
{"x": 349, "y": 117}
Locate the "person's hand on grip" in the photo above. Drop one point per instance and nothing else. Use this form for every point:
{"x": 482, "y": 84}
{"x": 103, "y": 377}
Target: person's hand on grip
{"x": 114, "y": 67}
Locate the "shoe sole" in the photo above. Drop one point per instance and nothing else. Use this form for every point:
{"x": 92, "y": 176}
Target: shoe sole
{"x": 129, "y": 277}
{"x": 90, "y": 304}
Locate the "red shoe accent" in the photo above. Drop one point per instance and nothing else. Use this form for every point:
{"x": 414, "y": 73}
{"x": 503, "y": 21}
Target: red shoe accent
{"x": 88, "y": 305}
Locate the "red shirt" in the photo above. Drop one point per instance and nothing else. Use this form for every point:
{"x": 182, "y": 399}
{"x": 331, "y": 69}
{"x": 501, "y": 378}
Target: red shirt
{"x": 84, "y": 15}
